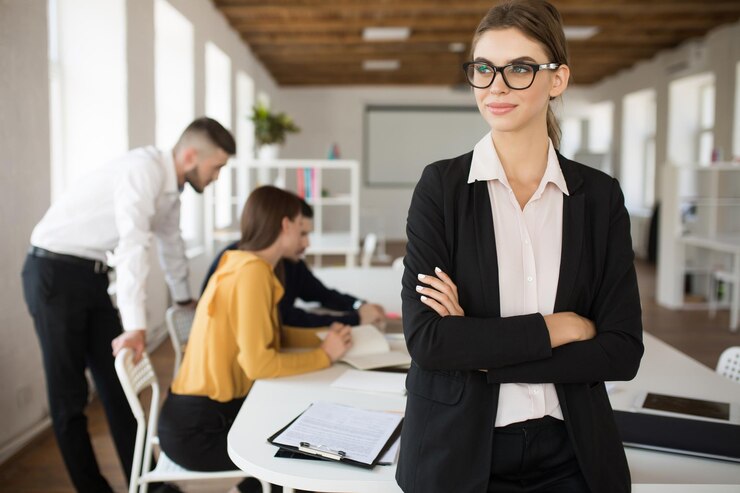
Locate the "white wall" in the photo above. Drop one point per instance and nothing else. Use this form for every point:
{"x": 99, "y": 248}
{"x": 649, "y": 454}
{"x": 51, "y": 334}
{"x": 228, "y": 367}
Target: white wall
{"x": 336, "y": 115}
{"x": 25, "y": 190}
{"x": 25, "y": 176}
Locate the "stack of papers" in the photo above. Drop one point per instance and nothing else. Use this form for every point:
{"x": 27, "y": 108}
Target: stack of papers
{"x": 371, "y": 381}
{"x": 342, "y": 433}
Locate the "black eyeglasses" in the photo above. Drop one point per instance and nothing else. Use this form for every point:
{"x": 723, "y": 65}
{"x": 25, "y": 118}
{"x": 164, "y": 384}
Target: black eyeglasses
{"x": 517, "y": 76}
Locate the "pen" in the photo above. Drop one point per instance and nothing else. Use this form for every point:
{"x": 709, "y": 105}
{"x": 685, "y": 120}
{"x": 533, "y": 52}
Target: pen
{"x": 322, "y": 451}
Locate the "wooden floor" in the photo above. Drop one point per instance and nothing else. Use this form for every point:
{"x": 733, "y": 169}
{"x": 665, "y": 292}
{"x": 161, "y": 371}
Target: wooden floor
{"x": 38, "y": 468}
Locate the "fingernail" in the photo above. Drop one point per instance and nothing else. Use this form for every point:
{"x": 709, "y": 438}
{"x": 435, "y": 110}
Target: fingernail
{"x": 421, "y": 276}
{"x": 419, "y": 288}
{"x": 423, "y": 298}
{"x": 437, "y": 270}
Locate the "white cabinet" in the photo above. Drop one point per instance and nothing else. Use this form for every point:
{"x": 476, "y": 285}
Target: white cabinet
{"x": 334, "y": 197}
{"x": 699, "y": 230}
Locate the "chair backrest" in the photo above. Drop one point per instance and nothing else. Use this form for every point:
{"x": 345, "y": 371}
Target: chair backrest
{"x": 179, "y": 322}
{"x": 368, "y": 249}
{"x": 729, "y": 363}
{"x": 134, "y": 379}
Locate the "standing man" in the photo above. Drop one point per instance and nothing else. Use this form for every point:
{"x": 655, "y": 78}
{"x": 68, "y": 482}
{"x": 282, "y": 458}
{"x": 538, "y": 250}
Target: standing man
{"x": 115, "y": 208}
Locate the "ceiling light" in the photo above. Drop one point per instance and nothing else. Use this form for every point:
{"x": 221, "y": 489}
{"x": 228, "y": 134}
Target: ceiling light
{"x": 381, "y": 64}
{"x": 578, "y": 33}
{"x": 386, "y": 33}
{"x": 457, "y": 47}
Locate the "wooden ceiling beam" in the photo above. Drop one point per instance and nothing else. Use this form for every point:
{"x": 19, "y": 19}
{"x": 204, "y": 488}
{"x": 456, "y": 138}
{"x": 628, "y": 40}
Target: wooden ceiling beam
{"x": 468, "y": 23}
{"x": 259, "y": 41}
{"x": 339, "y": 10}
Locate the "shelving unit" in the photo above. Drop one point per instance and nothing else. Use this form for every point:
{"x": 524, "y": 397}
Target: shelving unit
{"x": 341, "y": 175}
{"x": 699, "y": 231}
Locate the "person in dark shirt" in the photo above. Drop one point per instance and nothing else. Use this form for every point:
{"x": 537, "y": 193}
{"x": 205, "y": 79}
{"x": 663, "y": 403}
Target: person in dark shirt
{"x": 299, "y": 282}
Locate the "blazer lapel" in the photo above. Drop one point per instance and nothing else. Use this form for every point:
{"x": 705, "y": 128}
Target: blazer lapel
{"x": 485, "y": 242}
{"x": 573, "y": 220}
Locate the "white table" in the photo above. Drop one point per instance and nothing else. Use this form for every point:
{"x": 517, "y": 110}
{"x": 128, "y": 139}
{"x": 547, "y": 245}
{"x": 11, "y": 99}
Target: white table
{"x": 273, "y": 403}
{"x": 380, "y": 285}
{"x": 723, "y": 244}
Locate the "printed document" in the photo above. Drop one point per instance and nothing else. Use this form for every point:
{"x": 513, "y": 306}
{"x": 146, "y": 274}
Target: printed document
{"x": 356, "y": 434}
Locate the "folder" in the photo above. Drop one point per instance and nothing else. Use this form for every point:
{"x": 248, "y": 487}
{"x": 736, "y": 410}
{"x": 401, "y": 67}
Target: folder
{"x": 679, "y": 435}
{"x": 340, "y": 433}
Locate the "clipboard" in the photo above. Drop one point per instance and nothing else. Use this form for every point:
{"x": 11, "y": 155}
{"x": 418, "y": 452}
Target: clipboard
{"x": 320, "y": 452}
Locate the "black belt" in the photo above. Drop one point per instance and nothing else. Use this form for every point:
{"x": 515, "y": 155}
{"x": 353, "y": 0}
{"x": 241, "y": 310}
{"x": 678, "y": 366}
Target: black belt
{"x": 94, "y": 265}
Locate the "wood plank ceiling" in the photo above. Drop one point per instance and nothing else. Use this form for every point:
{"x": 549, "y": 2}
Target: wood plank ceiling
{"x": 320, "y": 42}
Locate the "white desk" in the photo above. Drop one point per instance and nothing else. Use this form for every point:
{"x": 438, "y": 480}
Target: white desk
{"x": 273, "y": 403}
{"x": 380, "y": 285}
{"x": 723, "y": 244}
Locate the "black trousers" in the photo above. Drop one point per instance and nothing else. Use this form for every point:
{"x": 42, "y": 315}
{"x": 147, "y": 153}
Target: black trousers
{"x": 193, "y": 432}
{"x": 75, "y": 322}
{"x": 534, "y": 456}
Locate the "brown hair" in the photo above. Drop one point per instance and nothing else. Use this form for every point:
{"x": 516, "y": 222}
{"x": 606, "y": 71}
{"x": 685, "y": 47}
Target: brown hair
{"x": 210, "y": 130}
{"x": 539, "y": 21}
{"x": 262, "y": 218}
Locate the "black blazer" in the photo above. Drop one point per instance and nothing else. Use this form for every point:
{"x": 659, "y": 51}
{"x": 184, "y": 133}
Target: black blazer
{"x": 451, "y": 407}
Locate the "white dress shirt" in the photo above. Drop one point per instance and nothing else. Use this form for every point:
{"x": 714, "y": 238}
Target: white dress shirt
{"x": 116, "y": 208}
{"x": 528, "y": 248}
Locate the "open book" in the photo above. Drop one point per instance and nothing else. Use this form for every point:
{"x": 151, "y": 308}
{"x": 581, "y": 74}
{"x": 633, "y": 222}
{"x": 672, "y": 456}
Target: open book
{"x": 371, "y": 350}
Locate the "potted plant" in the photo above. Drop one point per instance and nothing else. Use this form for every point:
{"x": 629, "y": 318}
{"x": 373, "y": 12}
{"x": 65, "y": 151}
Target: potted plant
{"x": 270, "y": 130}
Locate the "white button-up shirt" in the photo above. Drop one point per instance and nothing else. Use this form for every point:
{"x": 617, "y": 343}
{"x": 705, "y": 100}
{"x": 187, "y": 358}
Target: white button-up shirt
{"x": 528, "y": 248}
{"x": 116, "y": 208}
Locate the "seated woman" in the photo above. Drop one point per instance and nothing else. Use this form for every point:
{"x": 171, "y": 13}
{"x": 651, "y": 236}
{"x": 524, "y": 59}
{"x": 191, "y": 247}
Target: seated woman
{"x": 236, "y": 337}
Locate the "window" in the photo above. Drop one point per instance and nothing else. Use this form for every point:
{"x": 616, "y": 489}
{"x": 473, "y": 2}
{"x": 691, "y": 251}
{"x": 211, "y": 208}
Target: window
{"x": 736, "y": 124}
{"x": 174, "y": 106}
{"x": 218, "y": 107}
{"x": 637, "y": 170}
{"x": 691, "y": 119}
{"x": 87, "y": 86}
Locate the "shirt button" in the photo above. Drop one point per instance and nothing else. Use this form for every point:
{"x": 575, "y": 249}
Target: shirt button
{"x": 535, "y": 391}
{"x": 529, "y": 278}
{"x": 526, "y": 242}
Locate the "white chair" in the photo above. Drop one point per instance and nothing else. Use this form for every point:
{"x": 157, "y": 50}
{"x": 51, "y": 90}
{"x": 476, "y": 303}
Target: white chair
{"x": 134, "y": 379}
{"x": 398, "y": 263}
{"x": 179, "y": 321}
{"x": 730, "y": 285}
{"x": 729, "y": 363}
{"x": 368, "y": 249}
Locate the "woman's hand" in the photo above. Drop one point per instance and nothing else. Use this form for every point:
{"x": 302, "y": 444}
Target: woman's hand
{"x": 567, "y": 327}
{"x": 440, "y": 294}
{"x": 338, "y": 341}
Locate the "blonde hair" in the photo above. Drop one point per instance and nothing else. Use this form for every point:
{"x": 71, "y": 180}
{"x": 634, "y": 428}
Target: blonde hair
{"x": 538, "y": 20}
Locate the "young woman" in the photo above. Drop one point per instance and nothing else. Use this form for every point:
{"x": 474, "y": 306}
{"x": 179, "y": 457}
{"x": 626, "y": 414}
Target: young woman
{"x": 519, "y": 295}
{"x": 236, "y": 337}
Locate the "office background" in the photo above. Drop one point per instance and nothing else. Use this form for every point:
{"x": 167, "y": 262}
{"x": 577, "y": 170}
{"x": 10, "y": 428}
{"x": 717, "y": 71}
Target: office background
{"x": 75, "y": 92}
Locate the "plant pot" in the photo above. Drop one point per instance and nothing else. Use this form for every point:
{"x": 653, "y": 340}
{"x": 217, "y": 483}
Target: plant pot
{"x": 268, "y": 152}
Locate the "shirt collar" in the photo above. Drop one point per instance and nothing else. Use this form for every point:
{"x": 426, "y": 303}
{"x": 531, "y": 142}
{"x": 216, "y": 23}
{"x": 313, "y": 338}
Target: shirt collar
{"x": 170, "y": 174}
{"x": 486, "y": 166}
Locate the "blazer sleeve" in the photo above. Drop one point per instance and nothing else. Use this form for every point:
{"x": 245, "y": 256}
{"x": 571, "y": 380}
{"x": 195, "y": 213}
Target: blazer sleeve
{"x": 455, "y": 343}
{"x": 301, "y": 283}
{"x": 615, "y": 352}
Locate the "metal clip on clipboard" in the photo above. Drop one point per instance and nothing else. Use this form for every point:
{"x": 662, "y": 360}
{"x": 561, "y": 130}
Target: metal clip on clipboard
{"x": 322, "y": 451}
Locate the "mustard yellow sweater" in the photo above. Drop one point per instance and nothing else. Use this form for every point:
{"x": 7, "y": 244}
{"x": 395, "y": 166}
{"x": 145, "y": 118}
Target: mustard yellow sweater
{"x": 236, "y": 336}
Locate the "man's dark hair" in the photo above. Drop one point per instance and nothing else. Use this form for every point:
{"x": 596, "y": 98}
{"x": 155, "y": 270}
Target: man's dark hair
{"x": 306, "y": 210}
{"x": 213, "y": 131}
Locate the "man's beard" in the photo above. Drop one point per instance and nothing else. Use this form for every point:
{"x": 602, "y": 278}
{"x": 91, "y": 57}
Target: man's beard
{"x": 192, "y": 178}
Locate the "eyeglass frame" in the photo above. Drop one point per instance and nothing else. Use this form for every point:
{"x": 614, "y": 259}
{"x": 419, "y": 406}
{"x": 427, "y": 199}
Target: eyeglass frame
{"x": 496, "y": 70}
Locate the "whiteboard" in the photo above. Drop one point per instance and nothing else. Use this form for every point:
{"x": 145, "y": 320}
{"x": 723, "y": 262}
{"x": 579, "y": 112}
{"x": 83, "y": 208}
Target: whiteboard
{"x": 399, "y": 141}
